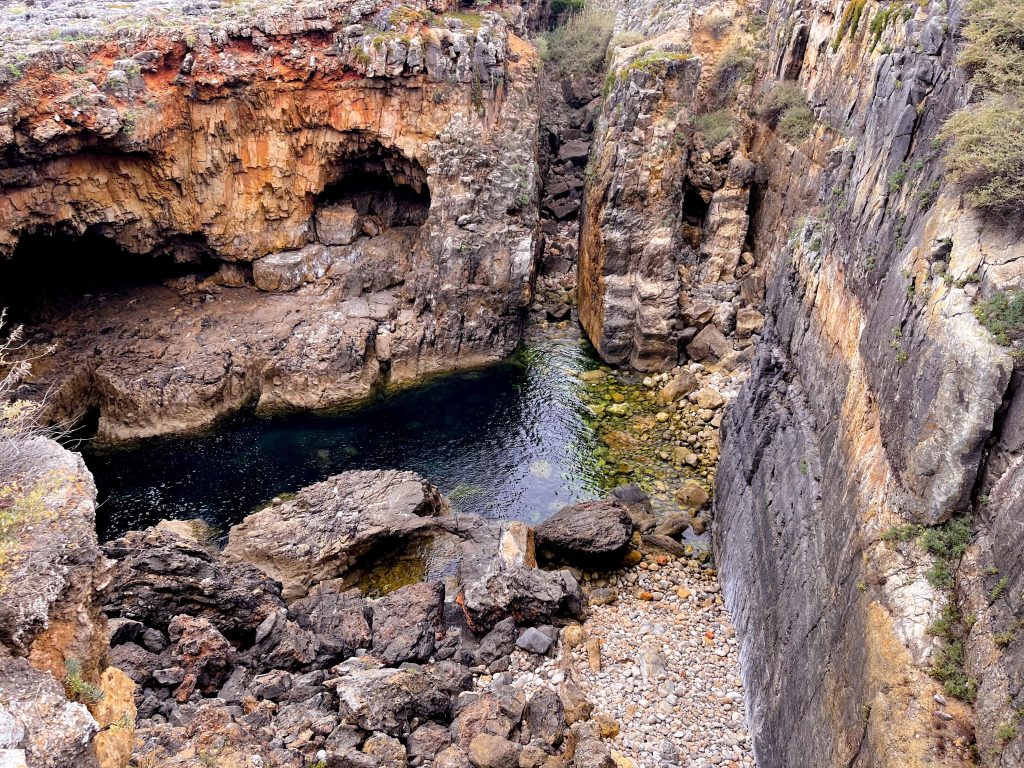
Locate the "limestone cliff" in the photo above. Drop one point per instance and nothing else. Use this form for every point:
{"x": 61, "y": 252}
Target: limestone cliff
{"x": 876, "y": 401}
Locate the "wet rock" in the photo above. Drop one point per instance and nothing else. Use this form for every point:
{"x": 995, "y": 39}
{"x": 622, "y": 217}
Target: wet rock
{"x": 159, "y": 575}
{"x": 586, "y": 531}
{"x": 692, "y": 494}
{"x": 405, "y": 622}
{"x": 638, "y": 506}
{"x": 328, "y": 527}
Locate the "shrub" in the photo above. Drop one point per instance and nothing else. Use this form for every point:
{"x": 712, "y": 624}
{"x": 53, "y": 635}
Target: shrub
{"x": 781, "y": 97}
{"x": 76, "y": 687}
{"x": 1003, "y": 316}
{"x": 578, "y": 47}
{"x": 734, "y": 63}
{"x": 986, "y": 153}
{"x": 994, "y": 48}
{"x": 715, "y": 126}
{"x": 797, "y": 123}
{"x": 849, "y": 22}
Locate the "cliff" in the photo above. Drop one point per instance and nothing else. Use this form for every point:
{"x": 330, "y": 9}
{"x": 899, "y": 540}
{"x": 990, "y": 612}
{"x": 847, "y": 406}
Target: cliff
{"x": 360, "y": 177}
{"x": 879, "y": 415}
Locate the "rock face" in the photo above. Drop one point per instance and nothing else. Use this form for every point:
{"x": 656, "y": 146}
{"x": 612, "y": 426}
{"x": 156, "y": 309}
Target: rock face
{"x": 324, "y": 531}
{"x": 663, "y": 232}
{"x": 389, "y": 159}
{"x": 871, "y": 401}
{"x": 53, "y": 628}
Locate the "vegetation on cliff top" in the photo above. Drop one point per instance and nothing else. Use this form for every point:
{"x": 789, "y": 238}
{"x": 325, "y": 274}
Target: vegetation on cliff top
{"x": 986, "y": 141}
{"x": 578, "y": 47}
{"x": 785, "y": 108}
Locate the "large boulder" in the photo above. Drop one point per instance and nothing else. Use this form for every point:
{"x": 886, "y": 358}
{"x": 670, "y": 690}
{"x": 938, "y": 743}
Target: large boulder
{"x": 337, "y": 224}
{"x": 328, "y": 527}
{"x": 406, "y": 621}
{"x": 592, "y": 529}
{"x": 160, "y": 574}
{"x": 340, "y": 619}
{"x": 492, "y": 591}
{"x": 378, "y": 698}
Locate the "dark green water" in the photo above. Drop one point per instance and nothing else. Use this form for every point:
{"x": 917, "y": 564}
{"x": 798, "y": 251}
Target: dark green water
{"x": 506, "y": 442}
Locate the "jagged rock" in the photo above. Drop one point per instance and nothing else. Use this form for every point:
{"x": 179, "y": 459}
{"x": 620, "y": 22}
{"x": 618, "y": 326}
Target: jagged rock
{"x": 590, "y": 751}
{"x": 159, "y": 575}
{"x": 534, "y": 641}
{"x": 135, "y": 661}
{"x": 748, "y": 322}
{"x": 405, "y": 622}
{"x": 492, "y": 591}
{"x": 575, "y": 704}
{"x": 545, "y": 718}
{"x": 341, "y": 620}
{"x": 500, "y": 641}
{"x": 478, "y": 713}
{"x": 709, "y": 344}
{"x": 592, "y": 529}
{"x": 427, "y": 742}
{"x": 376, "y": 698}
{"x": 386, "y": 751}
{"x": 283, "y": 644}
{"x": 453, "y": 757}
{"x": 328, "y": 527}
{"x": 203, "y": 652}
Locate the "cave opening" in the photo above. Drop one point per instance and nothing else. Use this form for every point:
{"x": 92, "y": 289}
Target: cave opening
{"x": 51, "y": 269}
{"x": 695, "y": 211}
{"x": 372, "y": 189}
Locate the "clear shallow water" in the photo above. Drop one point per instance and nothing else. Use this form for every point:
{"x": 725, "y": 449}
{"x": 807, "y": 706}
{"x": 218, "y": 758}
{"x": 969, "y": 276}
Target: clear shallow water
{"x": 509, "y": 442}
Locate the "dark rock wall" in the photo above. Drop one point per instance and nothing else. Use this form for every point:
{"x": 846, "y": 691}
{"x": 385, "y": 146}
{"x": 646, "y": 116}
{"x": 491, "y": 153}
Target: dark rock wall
{"x": 871, "y": 400}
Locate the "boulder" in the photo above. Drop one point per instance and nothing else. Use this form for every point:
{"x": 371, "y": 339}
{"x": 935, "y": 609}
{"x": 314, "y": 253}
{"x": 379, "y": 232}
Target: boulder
{"x": 691, "y": 494}
{"x": 707, "y": 398}
{"x": 637, "y": 504}
{"x": 545, "y": 718}
{"x": 490, "y": 751}
{"x": 405, "y": 622}
{"x": 203, "y": 652}
{"x": 535, "y": 641}
{"x": 591, "y": 751}
{"x": 477, "y": 713}
{"x": 492, "y": 590}
{"x": 576, "y": 707}
{"x": 340, "y": 619}
{"x": 328, "y": 527}
{"x": 680, "y": 385}
{"x": 427, "y": 742}
{"x": 40, "y": 721}
{"x": 592, "y": 529}
{"x": 748, "y": 322}
{"x": 377, "y": 698}
{"x": 709, "y": 344}
{"x": 337, "y": 224}
{"x": 159, "y": 574}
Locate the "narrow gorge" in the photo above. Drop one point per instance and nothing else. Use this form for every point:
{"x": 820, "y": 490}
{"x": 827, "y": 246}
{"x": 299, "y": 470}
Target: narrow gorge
{"x": 514, "y": 384}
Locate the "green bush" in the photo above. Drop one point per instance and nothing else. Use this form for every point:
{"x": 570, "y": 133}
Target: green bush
{"x": 796, "y": 123}
{"x": 717, "y": 24}
{"x": 1003, "y": 316}
{"x": 578, "y": 47}
{"x": 994, "y": 48}
{"x": 781, "y": 97}
{"x": 715, "y": 126}
{"x": 986, "y": 153}
{"x": 734, "y": 63}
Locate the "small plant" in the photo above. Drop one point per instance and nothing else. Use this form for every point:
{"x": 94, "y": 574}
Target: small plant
{"x": 1003, "y": 316}
{"x": 715, "y": 126}
{"x": 897, "y": 178}
{"x": 736, "y": 62}
{"x": 805, "y": 467}
{"x": 1006, "y": 732}
{"x": 785, "y": 108}
{"x": 1003, "y": 639}
{"x": 849, "y": 22}
{"x": 861, "y": 586}
{"x": 948, "y": 666}
{"x": 76, "y": 687}
{"x": 998, "y": 589}
{"x": 902, "y": 533}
